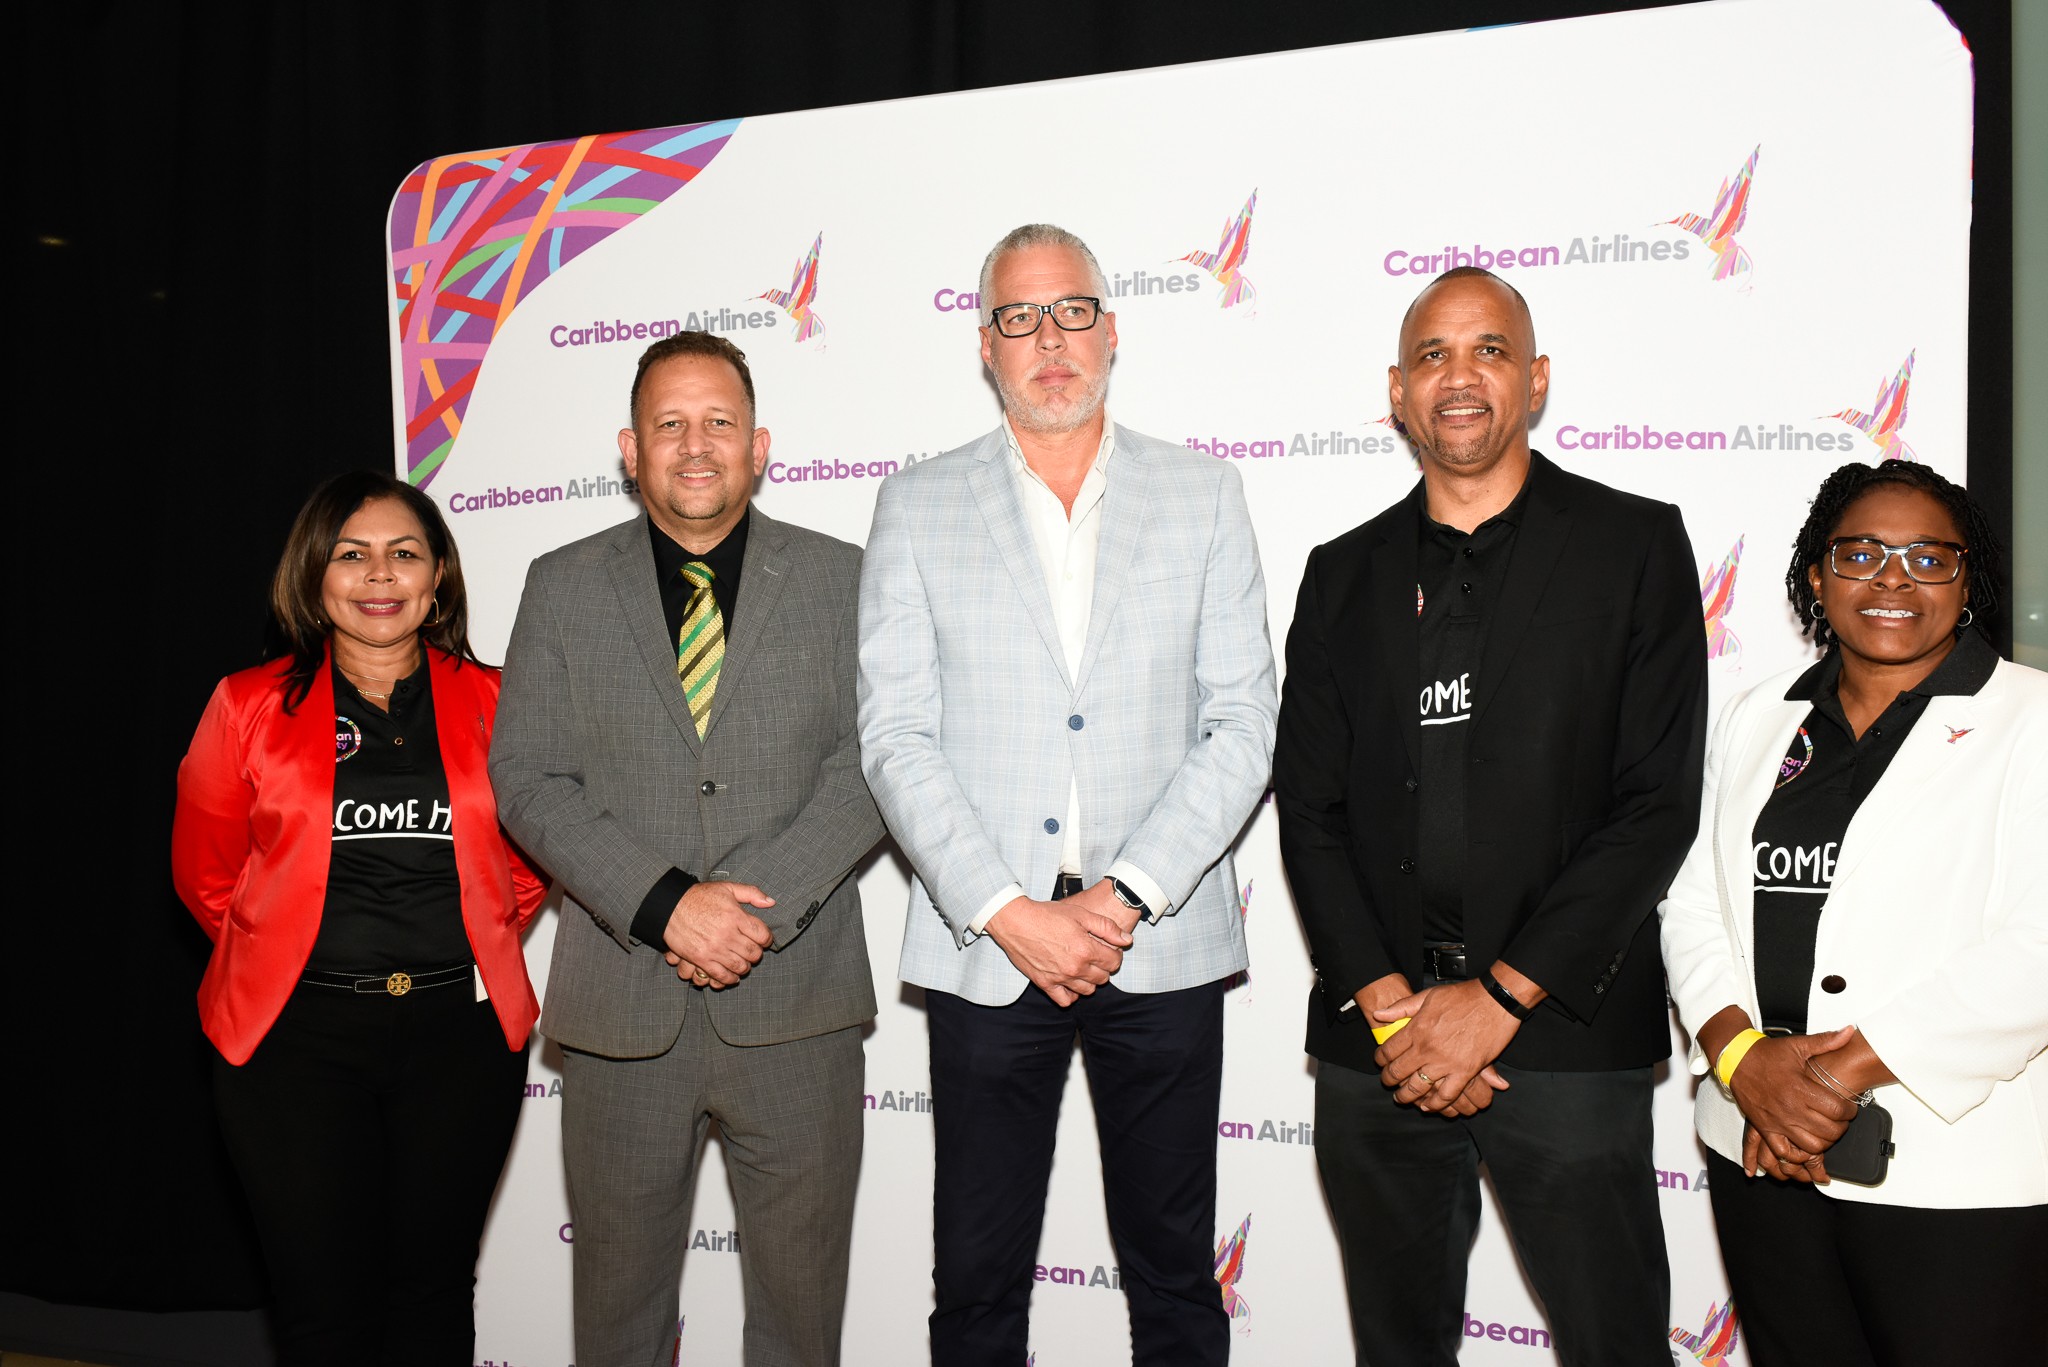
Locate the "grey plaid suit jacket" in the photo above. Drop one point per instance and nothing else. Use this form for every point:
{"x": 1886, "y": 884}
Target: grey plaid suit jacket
{"x": 601, "y": 776}
{"x": 972, "y": 729}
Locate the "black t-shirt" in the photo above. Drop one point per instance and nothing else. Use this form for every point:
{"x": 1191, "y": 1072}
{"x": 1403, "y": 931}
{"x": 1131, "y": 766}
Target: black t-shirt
{"x": 1822, "y": 781}
{"x": 394, "y": 900}
{"x": 1460, "y": 576}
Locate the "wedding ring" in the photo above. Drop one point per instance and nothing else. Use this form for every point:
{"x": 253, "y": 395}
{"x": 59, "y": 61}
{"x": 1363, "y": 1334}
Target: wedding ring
{"x": 1427, "y": 1080}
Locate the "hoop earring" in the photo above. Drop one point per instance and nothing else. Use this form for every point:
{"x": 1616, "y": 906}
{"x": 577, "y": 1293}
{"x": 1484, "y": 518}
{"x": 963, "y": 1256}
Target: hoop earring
{"x": 1969, "y": 616}
{"x": 1817, "y": 612}
{"x": 438, "y": 616}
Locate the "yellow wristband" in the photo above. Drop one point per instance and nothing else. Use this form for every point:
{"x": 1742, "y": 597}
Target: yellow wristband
{"x": 1731, "y": 1057}
{"x": 1382, "y": 1033}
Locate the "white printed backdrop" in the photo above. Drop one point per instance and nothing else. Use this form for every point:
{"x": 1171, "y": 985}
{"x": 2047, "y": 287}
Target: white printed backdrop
{"x": 1571, "y": 144}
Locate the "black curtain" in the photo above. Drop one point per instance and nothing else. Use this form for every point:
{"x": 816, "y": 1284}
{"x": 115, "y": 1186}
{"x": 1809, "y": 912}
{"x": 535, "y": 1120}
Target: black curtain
{"x": 204, "y": 337}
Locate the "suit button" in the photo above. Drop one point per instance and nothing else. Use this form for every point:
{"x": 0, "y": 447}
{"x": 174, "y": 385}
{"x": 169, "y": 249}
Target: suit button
{"x": 1407, "y": 866}
{"x": 1411, "y": 785}
{"x": 1074, "y": 723}
{"x": 1051, "y": 827}
{"x": 707, "y": 787}
{"x": 1834, "y": 982}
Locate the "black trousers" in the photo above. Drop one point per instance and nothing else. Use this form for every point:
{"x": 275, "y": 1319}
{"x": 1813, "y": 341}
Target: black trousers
{"x": 1822, "y": 1282}
{"x": 1155, "y": 1070}
{"x": 1571, "y": 1164}
{"x": 368, "y": 1132}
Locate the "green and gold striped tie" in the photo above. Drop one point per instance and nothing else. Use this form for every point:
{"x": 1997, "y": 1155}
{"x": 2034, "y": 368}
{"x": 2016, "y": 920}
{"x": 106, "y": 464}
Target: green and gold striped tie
{"x": 700, "y": 646}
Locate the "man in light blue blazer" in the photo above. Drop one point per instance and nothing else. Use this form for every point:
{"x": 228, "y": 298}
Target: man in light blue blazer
{"x": 1066, "y": 713}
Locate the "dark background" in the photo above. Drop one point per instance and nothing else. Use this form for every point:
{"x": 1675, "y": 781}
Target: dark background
{"x": 206, "y": 337}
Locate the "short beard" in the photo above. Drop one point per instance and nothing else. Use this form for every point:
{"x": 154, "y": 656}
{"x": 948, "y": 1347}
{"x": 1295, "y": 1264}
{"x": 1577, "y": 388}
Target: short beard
{"x": 1082, "y": 409}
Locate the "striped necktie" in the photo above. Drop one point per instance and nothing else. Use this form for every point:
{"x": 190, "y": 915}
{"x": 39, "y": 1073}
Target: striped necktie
{"x": 700, "y": 646}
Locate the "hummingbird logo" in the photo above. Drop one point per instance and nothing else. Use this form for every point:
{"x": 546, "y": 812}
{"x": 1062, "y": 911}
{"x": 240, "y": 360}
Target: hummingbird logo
{"x": 1887, "y": 414}
{"x": 1954, "y": 735}
{"x": 1716, "y": 1339}
{"x": 1230, "y": 1266}
{"x": 799, "y": 299}
{"x": 1717, "y": 595}
{"x": 1226, "y": 263}
{"x": 1718, "y": 229}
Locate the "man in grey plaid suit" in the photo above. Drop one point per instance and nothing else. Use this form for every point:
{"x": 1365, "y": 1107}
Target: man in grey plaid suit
{"x": 676, "y": 743}
{"x": 1067, "y": 709}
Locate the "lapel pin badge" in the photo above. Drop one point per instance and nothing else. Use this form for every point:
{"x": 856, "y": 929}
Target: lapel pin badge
{"x": 1955, "y": 735}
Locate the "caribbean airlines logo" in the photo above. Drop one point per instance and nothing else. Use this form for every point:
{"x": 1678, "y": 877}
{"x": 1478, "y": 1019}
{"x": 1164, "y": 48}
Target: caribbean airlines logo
{"x": 1718, "y": 229}
{"x": 1230, "y": 1267}
{"x": 1717, "y": 595}
{"x": 1716, "y": 1339}
{"x": 1226, "y": 263}
{"x": 802, "y": 294}
{"x": 1887, "y": 414}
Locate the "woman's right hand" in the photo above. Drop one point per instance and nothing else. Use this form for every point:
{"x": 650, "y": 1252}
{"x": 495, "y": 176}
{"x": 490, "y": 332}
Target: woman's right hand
{"x": 1794, "y": 1117}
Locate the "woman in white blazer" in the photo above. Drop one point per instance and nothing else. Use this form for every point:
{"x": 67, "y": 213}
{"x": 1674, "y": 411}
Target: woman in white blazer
{"x": 1864, "y": 918}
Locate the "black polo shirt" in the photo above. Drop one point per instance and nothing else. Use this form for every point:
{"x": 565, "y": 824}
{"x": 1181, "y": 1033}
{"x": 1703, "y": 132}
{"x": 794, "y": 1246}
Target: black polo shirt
{"x": 725, "y": 560}
{"x": 1826, "y": 774}
{"x": 1459, "y": 581}
{"x": 394, "y": 901}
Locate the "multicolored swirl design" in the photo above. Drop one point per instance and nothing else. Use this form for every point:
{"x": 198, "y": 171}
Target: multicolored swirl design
{"x": 1233, "y": 249}
{"x": 796, "y": 301}
{"x": 1717, "y": 1337}
{"x": 473, "y": 234}
{"x": 1230, "y": 1266}
{"x": 1717, "y": 595}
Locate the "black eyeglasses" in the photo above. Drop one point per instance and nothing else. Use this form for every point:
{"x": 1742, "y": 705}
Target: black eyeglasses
{"x": 1926, "y": 562}
{"x": 1077, "y": 314}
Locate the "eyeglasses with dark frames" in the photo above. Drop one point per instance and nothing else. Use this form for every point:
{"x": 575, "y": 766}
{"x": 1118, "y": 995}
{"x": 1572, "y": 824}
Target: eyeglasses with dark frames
{"x": 1077, "y": 314}
{"x": 1925, "y": 562}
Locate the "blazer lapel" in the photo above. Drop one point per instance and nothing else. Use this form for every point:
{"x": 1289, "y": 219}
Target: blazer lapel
{"x": 995, "y": 494}
{"x": 762, "y": 576}
{"x": 1116, "y": 546}
{"x": 1395, "y": 595}
{"x": 632, "y": 575}
{"x": 1930, "y": 752}
{"x": 1539, "y": 541}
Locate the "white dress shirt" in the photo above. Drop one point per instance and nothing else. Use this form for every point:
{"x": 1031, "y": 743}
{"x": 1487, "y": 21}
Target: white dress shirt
{"x": 1066, "y": 544}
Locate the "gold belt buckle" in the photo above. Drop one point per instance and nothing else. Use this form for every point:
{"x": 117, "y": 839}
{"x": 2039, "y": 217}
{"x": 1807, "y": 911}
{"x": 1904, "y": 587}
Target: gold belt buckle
{"x": 398, "y": 984}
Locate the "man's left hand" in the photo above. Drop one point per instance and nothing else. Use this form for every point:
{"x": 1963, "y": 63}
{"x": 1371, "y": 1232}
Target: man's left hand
{"x": 1454, "y": 1031}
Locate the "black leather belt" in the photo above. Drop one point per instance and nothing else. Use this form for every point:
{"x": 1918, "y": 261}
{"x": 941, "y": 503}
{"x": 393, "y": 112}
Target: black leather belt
{"x": 390, "y": 984}
{"x": 1445, "y": 962}
{"x": 1067, "y": 885}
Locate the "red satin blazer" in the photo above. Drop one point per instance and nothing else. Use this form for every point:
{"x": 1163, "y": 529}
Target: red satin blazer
{"x": 250, "y": 847}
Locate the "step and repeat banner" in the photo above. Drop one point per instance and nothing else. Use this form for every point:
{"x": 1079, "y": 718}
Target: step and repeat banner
{"x": 1742, "y": 226}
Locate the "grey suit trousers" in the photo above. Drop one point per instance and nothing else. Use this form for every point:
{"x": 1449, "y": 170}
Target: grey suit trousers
{"x": 632, "y": 1129}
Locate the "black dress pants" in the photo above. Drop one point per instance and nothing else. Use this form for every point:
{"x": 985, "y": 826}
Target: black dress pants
{"x": 1155, "y": 1071}
{"x": 368, "y": 1132}
{"x": 1824, "y": 1282}
{"x": 1571, "y": 1164}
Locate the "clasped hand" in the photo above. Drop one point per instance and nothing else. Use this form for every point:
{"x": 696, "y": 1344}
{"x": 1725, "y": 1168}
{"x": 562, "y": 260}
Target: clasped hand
{"x": 1067, "y": 948}
{"x": 712, "y": 940}
{"x": 1442, "y": 1060}
{"x": 1793, "y": 1119}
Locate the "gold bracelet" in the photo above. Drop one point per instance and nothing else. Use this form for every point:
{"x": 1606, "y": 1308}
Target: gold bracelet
{"x": 1733, "y": 1053}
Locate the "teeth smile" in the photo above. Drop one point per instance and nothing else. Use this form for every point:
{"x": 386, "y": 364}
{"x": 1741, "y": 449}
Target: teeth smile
{"x": 1888, "y": 612}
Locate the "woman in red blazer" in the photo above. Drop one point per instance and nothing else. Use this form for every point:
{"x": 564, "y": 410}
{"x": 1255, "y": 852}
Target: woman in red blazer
{"x": 337, "y": 837}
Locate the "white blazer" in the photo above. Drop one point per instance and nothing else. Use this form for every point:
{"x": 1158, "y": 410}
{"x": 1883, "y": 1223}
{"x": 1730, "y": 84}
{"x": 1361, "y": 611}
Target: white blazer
{"x": 1937, "y": 921}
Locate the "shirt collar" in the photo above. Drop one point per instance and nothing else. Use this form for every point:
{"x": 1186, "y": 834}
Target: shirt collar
{"x": 1102, "y": 451}
{"x": 1510, "y": 516}
{"x": 1962, "y": 674}
{"x": 724, "y": 558}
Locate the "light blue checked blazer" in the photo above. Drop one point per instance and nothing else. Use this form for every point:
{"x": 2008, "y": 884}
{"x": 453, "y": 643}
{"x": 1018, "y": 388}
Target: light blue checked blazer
{"x": 972, "y": 729}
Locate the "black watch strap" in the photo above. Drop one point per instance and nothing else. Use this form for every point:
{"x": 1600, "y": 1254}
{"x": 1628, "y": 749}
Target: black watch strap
{"x": 1128, "y": 895}
{"x": 1503, "y": 996}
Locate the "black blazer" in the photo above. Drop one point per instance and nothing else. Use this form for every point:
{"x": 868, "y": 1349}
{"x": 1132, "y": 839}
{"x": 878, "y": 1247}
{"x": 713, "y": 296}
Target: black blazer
{"x": 1583, "y": 787}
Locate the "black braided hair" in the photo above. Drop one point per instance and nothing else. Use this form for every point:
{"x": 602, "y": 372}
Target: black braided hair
{"x": 1984, "y": 571}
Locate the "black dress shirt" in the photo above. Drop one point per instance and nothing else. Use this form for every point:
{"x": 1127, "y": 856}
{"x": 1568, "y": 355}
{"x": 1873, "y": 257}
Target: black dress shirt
{"x": 1826, "y": 774}
{"x": 1460, "y": 576}
{"x": 725, "y": 561}
{"x": 394, "y": 901}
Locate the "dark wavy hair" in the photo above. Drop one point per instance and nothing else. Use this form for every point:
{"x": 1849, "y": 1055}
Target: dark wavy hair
{"x": 302, "y": 628}
{"x": 1983, "y": 571}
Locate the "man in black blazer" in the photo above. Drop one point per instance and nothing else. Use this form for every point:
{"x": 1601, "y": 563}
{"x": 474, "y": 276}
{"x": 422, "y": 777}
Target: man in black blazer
{"x": 1488, "y": 770}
